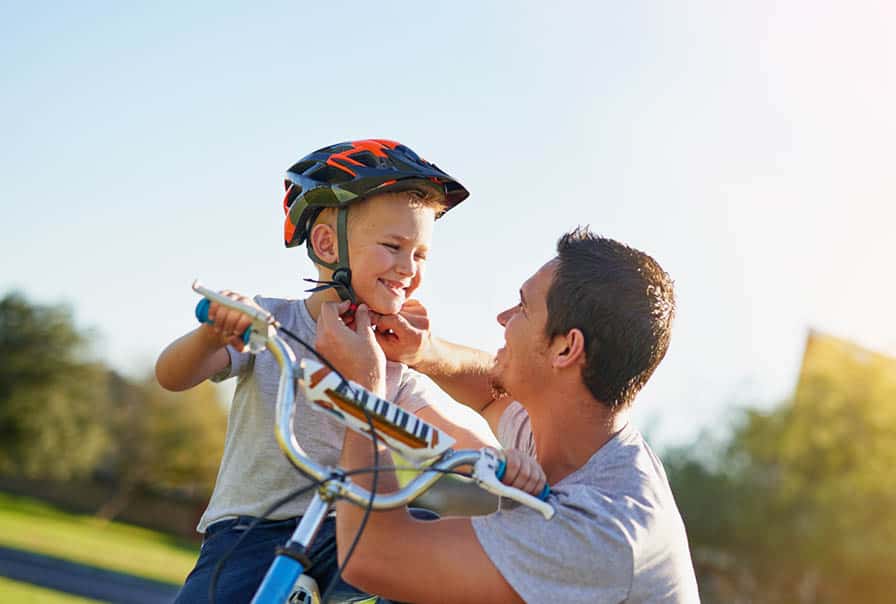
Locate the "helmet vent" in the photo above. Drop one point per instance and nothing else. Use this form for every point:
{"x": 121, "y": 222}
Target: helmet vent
{"x": 366, "y": 158}
{"x": 329, "y": 174}
{"x": 302, "y": 166}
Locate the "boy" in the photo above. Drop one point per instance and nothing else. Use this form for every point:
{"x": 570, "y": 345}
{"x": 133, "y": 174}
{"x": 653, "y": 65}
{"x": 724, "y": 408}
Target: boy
{"x": 365, "y": 211}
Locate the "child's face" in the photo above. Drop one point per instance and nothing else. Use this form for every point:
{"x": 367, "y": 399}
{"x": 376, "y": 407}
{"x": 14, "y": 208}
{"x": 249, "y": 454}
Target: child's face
{"x": 389, "y": 239}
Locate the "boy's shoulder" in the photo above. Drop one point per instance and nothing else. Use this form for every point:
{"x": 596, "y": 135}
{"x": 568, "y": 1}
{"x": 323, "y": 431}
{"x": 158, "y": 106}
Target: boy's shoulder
{"x": 288, "y": 311}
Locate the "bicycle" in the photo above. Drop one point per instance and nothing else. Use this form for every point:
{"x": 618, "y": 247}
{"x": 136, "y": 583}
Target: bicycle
{"x": 425, "y": 446}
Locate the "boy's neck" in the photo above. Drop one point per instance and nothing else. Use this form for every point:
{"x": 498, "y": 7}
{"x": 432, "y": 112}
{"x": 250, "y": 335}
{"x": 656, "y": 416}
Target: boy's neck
{"x": 317, "y": 299}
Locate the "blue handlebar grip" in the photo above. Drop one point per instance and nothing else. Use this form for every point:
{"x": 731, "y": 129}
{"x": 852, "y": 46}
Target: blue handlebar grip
{"x": 502, "y": 469}
{"x": 202, "y": 316}
{"x": 202, "y": 310}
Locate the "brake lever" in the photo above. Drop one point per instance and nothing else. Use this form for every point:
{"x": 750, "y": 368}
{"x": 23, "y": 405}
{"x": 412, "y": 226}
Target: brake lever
{"x": 486, "y": 473}
{"x": 256, "y": 335}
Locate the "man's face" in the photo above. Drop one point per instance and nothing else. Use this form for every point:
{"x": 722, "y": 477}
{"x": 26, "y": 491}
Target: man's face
{"x": 389, "y": 238}
{"x": 523, "y": 364}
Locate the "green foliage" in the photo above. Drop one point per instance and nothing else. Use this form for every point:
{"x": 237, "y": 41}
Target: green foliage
{"x": 801, "y": 504}
{"x": 166, "y": 439}
{"x": 51, "y": 401}
{"x": 65, "y": 417}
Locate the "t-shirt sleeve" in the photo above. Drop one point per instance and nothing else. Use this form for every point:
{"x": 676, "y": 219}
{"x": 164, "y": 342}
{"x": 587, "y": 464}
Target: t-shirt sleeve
{"x": 239, "y": 362}
{"x": 515, "y": 430}
{"x": 580, "y": 555}
{"x": 414, "y": 391}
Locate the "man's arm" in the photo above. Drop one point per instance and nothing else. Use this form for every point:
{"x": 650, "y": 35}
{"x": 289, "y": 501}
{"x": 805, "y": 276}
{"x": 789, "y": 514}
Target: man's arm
{"x": 465, "y": 374}
{"x": 462, "y": 372}
{"x": 397, "y": 556}
{"x": 409, "y": 560}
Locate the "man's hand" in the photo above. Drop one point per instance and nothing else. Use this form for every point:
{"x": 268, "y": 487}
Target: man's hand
{"x": 523, "y": 472}
{"x": 405, "y": 337}
{"x": 352, "y": 350}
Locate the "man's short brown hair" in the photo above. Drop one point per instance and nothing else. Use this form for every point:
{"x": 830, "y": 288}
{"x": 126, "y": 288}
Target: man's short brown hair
{"x": 622, "y": 301}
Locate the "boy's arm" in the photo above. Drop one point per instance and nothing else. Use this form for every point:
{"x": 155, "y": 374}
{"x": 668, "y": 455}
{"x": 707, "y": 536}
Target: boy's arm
{"x": 191, "y": 359}
{"x": 200, "y": 354}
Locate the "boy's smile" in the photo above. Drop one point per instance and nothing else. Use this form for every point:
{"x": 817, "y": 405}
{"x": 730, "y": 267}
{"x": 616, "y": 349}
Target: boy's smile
{"x": 396, "y": 287}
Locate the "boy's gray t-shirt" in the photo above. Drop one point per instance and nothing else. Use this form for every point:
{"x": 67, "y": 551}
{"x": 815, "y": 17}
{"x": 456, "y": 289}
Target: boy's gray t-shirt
{"x": 254, "y": 473}
{"x": 617, "y": 535}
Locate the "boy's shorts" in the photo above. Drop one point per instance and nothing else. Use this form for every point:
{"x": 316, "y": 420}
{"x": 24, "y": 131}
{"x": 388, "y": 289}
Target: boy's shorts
{"x": 245, "y": 568}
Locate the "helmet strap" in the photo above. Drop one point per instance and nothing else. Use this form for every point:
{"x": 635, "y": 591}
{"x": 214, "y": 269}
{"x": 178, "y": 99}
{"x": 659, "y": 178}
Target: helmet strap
{"x": 342, "y": 274}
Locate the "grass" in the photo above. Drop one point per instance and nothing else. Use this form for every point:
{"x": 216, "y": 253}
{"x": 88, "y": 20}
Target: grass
{"x": 32, "y": 525}
{"x": 25, "y": 593}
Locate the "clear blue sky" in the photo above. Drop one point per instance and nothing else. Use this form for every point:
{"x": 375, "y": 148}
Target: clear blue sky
{"x": 747, "y": 146}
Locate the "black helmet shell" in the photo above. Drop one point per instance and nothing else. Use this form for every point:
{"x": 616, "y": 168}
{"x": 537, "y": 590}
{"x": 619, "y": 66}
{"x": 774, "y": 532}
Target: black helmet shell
{"x": 344, "y": 173}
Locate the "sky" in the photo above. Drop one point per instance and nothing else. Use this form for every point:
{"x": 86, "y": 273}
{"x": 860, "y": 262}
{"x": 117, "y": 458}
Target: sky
{"x": 748, "y": 147}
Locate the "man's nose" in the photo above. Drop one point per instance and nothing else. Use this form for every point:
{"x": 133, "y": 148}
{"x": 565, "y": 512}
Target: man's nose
{"x": 504, "y": 316}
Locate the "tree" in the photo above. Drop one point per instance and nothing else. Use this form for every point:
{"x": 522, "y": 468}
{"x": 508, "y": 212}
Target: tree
{"x": 800, "y": 505}
{"x": 163, "y": 440}
{"x": 50, "y": 399}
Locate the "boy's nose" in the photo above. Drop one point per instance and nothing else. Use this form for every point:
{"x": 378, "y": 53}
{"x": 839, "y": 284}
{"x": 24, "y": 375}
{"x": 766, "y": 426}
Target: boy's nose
{"x": 406, "y": 266}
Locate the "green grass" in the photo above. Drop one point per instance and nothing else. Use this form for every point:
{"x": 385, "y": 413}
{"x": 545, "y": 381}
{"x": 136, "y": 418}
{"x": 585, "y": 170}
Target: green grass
{"x": 24, "y": 593}
{"x": 31, "y": 525}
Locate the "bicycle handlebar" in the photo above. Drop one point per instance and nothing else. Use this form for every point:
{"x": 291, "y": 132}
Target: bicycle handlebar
{"x": 262, "y": 334}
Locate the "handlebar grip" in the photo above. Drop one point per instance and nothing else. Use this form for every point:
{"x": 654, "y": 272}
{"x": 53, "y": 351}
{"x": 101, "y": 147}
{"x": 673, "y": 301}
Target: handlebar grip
{"x": 202, "y": 317}
{"x": 502, "y": 469}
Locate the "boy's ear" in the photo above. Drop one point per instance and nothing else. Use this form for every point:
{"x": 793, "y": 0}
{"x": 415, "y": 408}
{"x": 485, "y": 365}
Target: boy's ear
{"x": 323, "y": 240}
{"x": 568, "y": 350}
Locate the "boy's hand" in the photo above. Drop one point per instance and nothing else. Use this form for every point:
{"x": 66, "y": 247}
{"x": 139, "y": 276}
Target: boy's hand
{"x": 405, "y": 337}
{"x": 227, "y": 324}
{"x": 353, "y": 350}
{"x": 523, "y": 472}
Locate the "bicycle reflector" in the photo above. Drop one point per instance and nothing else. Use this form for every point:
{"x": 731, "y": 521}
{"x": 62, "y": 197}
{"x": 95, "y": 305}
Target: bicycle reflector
{"x": 403, "y": 432}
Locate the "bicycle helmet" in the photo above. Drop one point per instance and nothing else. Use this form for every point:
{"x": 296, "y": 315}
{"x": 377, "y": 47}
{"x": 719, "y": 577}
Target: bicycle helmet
{"x": 345, "y": 173}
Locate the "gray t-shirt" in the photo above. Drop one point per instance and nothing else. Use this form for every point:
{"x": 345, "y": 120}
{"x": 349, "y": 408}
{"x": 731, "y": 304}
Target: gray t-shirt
{"x": 254, "y": 473}
{"x": 617, "y": 535}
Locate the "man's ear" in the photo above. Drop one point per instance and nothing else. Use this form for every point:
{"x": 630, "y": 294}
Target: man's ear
{"x": 569, "y": 349}
{"x": 323, "y": 240}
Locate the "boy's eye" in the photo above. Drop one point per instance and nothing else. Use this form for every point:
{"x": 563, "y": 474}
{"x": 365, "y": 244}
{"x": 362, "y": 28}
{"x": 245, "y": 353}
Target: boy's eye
{"x": 391, "y": 246}
{"x": 420, "y": 257}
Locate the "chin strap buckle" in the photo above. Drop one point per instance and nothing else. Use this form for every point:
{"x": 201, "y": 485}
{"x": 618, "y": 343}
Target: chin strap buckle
{"x": 341, "y": 282}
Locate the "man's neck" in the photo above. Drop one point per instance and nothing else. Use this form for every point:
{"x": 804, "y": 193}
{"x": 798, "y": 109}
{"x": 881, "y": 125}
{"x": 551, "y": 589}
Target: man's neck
{"x": 569, "y": 434}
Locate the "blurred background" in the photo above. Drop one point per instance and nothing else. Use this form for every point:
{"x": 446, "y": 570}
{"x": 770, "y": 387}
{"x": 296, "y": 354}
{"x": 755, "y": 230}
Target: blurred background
{"x": 747, "y": 146}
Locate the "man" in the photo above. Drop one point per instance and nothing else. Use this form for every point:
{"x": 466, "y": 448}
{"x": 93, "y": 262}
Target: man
{"x": 591, "y": 326}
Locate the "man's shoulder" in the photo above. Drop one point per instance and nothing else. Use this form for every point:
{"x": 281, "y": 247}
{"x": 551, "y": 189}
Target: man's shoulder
{"x": 624, "y": 478}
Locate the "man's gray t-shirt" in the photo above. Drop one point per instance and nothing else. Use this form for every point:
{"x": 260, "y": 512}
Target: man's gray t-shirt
{"x": 617, "y": 535}
{"x": 254, "y": 473}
